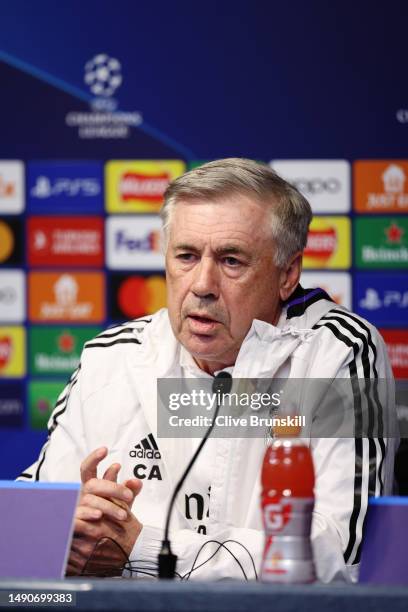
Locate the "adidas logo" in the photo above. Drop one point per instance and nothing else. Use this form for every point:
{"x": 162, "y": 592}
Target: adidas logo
{"x": 146, "y": 449}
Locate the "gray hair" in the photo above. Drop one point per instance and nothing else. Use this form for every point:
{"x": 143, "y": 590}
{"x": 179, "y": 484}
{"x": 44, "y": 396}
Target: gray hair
{"x": 291, "y": 212}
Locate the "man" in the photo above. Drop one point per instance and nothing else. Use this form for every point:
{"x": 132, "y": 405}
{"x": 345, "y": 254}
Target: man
{"x": 234, "y": 236}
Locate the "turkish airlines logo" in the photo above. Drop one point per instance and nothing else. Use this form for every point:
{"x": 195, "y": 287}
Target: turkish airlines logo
{"x": 396, "y": 341}
{"x": 55, "y": 241}
{"x": 136, "y": 186}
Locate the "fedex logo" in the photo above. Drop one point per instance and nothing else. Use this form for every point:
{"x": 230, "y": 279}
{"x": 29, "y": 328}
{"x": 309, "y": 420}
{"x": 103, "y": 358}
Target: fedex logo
{"x": 134, "y": 243}
{"x": 127, "y": 242}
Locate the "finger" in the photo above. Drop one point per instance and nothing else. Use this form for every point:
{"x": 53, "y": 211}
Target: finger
{"x": 108, "y": 489}
{"x": 106, "y": 506}
{"x": 72, "y": 570}
{"x": 77, "y": 560}
{"x": 87, "y": 513}
{"x": 83, "y": 547}
{"x": 135, "y": 485}
{"x": 87, "y": 534}
{"x": 112, "y": 472}
{"x": 89, "y": 465}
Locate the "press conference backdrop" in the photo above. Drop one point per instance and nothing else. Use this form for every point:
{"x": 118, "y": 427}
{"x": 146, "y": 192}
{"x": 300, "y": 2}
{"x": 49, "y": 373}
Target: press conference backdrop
{"x": 103, "y": 104}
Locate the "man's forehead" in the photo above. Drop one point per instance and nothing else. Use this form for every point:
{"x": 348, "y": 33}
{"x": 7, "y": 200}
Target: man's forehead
{"x": 232, "y": 216}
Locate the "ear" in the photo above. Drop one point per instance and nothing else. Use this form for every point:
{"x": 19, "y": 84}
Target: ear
{"x": 289, "y": 276}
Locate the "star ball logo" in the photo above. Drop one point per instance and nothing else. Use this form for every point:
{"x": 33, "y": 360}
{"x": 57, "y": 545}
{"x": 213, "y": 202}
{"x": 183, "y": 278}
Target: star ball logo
{"x": 103, "y": 77}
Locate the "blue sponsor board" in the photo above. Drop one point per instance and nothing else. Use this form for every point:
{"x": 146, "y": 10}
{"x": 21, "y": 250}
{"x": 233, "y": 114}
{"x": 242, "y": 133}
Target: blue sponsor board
{"x": 382, "y": 298}
{"x": 12, "y": 397}
{"x": 64, "y": 187}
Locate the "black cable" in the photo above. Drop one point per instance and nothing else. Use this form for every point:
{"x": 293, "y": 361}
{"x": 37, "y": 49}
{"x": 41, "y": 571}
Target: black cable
{"x": 249, "y": 555}
{"x": 167, "y": 560}
{"x": 221, "y": 545}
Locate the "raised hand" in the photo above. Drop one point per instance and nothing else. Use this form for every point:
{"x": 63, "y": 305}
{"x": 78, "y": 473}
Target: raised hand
{"x": 104, "y": 511}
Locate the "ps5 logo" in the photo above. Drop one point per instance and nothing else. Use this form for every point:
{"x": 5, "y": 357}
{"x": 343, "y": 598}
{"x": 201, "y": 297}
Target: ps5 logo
{"x": 373, "y": 301}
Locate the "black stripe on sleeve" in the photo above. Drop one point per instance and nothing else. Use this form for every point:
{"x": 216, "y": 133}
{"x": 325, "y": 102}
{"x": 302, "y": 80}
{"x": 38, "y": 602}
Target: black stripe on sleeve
{"x": 105, "y": 345}
{"x": 64, "y": 402}
{"x": 125, "y": 330}
{"x": 356, "y": 514}
{"x": 25, "y": 475}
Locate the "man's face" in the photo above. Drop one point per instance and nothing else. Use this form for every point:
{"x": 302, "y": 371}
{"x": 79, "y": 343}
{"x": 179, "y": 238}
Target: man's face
{"x": 220, "y": 276}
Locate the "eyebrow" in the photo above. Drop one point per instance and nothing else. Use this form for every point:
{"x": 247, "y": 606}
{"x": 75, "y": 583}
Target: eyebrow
{"x": 229, "y": 249}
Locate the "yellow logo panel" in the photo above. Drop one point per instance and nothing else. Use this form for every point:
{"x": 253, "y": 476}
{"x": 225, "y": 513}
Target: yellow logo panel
{"x": 138, "y": 186}
{"x": 328, "y": 243}
{"x": 12, "y": 352}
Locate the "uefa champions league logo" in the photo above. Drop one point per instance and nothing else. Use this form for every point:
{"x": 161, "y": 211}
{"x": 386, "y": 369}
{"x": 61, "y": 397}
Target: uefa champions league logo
{"x": 103, "y": 77}
{"x": 104, "y": 120}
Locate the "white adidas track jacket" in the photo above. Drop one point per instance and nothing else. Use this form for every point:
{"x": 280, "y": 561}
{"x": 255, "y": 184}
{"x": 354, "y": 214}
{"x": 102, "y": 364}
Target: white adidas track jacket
{"x": 111, "y": 401}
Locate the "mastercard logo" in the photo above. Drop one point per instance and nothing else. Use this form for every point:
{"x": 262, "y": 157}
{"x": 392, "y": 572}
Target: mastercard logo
{"x": 138, "y": 295}
{"x": 6, "y": 241}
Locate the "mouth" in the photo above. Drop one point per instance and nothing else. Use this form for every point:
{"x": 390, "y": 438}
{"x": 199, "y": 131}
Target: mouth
{"x": 201, "y": 324}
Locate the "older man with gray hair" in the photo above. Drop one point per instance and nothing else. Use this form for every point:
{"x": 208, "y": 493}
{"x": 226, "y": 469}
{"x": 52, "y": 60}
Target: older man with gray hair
{"x": 234, "y": 237}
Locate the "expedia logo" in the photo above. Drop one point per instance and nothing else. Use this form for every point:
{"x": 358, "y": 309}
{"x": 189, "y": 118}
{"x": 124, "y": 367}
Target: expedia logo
{"x": 135, "y": 186}
{"x": 146, "y": 449}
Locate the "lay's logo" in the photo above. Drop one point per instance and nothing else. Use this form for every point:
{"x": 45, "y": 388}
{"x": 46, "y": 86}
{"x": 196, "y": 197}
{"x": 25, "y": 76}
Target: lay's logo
{"x": 138, "y": 186}
{"x": 321, "y": 244}
{"x": 328, "y": 243}
{"x": 12, "y": 352}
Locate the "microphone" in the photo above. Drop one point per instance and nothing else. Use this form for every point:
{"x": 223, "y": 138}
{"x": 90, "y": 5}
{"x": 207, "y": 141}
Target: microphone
{"x": 222, "y": 383}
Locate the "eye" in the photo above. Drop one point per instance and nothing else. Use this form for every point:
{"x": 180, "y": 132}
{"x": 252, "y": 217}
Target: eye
{"x": 233, "y": 262}
{"x": 185, "y": 257}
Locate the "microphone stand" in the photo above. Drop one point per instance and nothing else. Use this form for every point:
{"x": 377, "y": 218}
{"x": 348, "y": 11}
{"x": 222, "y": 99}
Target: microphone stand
{"x": 167, "y": 560}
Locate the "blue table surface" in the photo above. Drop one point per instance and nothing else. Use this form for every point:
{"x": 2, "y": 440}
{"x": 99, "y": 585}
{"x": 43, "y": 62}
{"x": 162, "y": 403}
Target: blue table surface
{"x": 151, "y": 595}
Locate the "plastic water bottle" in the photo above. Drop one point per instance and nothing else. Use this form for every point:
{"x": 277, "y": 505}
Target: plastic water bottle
{"x": 287, "y": 506}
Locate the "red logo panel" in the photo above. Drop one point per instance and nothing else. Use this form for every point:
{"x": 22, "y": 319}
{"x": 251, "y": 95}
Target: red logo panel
{"x": 65, "y": 241}
{"x": 397, "y": 347}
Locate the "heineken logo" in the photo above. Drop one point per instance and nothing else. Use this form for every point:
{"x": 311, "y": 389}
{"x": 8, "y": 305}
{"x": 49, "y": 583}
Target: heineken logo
{"x": 57, "y": 350}
{"x": 381, "y": 243}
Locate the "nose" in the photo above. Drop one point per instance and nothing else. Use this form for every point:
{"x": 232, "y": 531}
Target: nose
{"x": 206, "y": 279}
